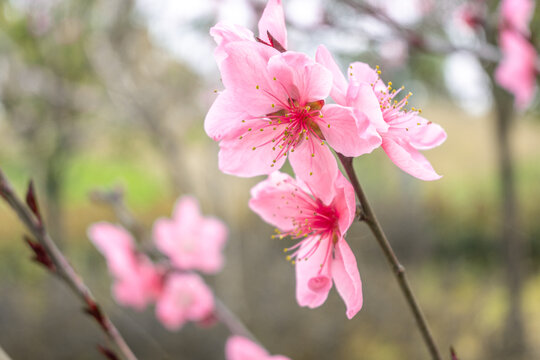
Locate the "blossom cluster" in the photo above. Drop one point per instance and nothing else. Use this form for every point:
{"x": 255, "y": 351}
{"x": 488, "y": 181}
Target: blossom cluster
{"x": 190, "y": 243}
{"x": 278, "y": 104}
{"x": 517, "y": 70}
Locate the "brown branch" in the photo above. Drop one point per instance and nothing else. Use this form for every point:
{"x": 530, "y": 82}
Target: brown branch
{"x": 399, "y": 271}
{"x": 29, "y": 216}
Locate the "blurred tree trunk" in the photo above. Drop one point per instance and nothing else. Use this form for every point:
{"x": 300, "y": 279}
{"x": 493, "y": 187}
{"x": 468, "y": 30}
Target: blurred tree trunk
{"x": 511, "y": 241}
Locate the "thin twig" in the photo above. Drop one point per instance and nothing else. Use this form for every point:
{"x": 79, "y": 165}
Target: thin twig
{"x": 126, "y": 218}
{"x": 32, "y": 221}
{"x": 398, "y": 269}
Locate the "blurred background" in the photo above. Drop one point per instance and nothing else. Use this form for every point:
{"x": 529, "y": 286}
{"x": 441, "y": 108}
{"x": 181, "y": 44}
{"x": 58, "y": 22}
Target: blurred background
{"x": 112, "y": 94}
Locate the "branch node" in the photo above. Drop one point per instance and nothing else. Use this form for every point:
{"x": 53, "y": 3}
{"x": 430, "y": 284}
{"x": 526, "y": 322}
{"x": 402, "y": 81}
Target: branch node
{"x": 31, "y": 201}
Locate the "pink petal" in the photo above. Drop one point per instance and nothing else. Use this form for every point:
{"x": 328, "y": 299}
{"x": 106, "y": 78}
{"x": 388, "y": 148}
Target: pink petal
{"x": 185, "y": 297}
{"x": 339, "y": 88}
{"x": 244, "y": 73}
{"x": 273, "y": 21}
{"x": 237, "y": 157}
{"x": 360, "y": 72}
{"x": 409, "y": 159}
{"x": 517, "y": 14}
{"x": 224, "y": 34}
{"x": 241, "y": 348}
{"x": 299, "y": 77}
{"x": 427, "y": 135}
{"x": 225, "y": 116}
{"x": 343, "y": 133}
{"x": 213, "y": 237}
{"x": 315, "y": 164}
{"x": 362, "y": 97}
{"x": 344, "y": 202}
{"x": 346, "y": 277}
{"x": 313, "y": 283}
{"x": 269, "y": 200}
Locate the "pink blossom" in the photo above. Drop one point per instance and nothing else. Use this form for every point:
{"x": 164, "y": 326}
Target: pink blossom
{"x": 403, "y": 132}
{"x": 138, "y": 281}
{"x": 516, "y": 15}
{"x": 191, "y": 241}
{"x": 321, "y": 254}
{"x": 241, "y": 348}
{"x": 517, "y": 70}
{"x": 273, "y": 107}
{"x": 185, "y": 297}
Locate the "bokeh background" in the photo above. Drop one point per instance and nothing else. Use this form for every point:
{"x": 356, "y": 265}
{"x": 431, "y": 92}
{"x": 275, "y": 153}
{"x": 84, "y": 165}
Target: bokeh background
{"x": 112, "y": 94}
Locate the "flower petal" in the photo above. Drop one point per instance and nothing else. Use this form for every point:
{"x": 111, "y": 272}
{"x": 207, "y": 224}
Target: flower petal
{"x": 427, "y": 135}
{"x": 315, "y": 164}
{"x": 273, "y": 21}
{"x": 344, "y": 202}
{"x": 269, "y": 200}
{"x": 225, "y": 116}
{"x": 360, "y": 72}
{"x": 224, "y": 34}
{"x": 237, "y": 157}
{"x": 339, "y": 88}
{"x": 341, "y": 129}
{"x": 409, "y": 159}
{"x": 313, "y": 283}
{"x": 362, "y": 97}
{"x": 347, "y": 278}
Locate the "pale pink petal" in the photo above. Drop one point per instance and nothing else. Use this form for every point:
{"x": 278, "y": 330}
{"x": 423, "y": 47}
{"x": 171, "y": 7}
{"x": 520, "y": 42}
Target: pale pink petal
{"x": 362, "y": 97}
{"x": 313, "y": 283}
{"x": 244, "y": 73}
{"x": 427, "y": 135}
{"x": 241, "y": 348}
{"x": 340, "y": 85}
{"x": 299, "y": 77}
{"x": 343, "y": 133}
{"x": 117, "y": 246}
{"x": 271, "y": 199}
{"x": 344, "y": 202}
{"x": 409, "y": 159}
{"x": 360, "y": 72}
{"x": 185, "y": 297}
{"x": 137, "y": 288}
{"x": 237, "y": 157}
{"x": 127, "y": 294}
{"x": 517, "y": 14}
{"x": 347, "y": 278}
{"x": 315, "y": 164}
{"x": 187, "y": 212}
{"x": 225, "y": 116}
{"x": 224, "y": 34}
{"x": 213, "y": 237}
{"x": 273, "y": 21}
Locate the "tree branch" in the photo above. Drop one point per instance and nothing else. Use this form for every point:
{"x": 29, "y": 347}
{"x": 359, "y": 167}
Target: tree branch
{"x": 399, "y": 271}
{"x": 29, "y": 216}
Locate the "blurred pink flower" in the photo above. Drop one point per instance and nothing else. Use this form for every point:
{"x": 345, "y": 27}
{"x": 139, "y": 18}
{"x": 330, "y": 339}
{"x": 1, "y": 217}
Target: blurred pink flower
{"x": 517, "y": 70}
{"x": 138, "y": 281}
{"x": 191, "y": 241}
{"x": 241, "y": 348}
{"x": 185, "y": 297}
{"x": 322, "y": 254}
{"x": 273, "y": 106}
{"x": 403, "y": 131}
{"x": 516, "y": 15}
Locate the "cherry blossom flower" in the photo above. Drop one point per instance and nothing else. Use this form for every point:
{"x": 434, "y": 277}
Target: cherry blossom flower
{"x": 321, "y": 254}
{"x": 517, "y": 70}
{"x": 191, "y": 241}
{"x": 241, "y": 348}
{"x": 403, "y": 131}
{"x": 138, "y": 281}
{"x": 273, "y": 107}
{"x": 185, "y": 297}
{"x": 516, "y": 15}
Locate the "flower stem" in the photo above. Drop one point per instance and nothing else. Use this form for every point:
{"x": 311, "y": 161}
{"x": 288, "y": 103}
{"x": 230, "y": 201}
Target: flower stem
{"x": 32, "y": 220}
{"x": 369, "y": 217}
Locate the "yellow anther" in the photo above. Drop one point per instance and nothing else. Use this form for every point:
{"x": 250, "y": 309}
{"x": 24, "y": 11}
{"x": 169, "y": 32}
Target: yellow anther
{"x": 329, "y": 126}
{"x": 312, "y": 155}
{"x": 253, "y": 148}
{"x": 257, "y": 87}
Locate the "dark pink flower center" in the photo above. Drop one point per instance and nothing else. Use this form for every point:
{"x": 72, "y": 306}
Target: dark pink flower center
{"x": 291, "y": 125}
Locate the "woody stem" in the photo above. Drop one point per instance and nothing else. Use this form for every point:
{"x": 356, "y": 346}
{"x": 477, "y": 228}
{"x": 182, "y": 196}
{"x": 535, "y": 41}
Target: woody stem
{"x": 368, "y": 216}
